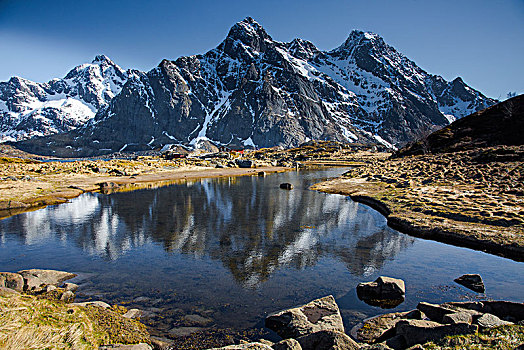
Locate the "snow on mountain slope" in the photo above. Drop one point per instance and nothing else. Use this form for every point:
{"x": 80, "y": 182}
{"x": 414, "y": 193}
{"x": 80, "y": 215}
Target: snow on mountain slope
{"x": 253, "y": 90}
{"x": 29, "y": 109}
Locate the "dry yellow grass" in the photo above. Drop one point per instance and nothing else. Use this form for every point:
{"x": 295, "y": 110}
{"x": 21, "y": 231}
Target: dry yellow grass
{"x": 27, "y": 322}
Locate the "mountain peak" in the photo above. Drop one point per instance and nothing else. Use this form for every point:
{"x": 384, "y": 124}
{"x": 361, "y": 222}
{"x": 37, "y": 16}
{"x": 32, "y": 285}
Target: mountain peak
{"x": 357, "y": 36}
{"x": 250, "y": 33}
{"x": 102, "y": 59}
{"x": 303, "y": 49}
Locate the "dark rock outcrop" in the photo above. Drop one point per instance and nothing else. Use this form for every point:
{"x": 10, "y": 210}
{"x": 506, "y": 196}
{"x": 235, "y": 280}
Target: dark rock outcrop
{"x": 498, "y": 125}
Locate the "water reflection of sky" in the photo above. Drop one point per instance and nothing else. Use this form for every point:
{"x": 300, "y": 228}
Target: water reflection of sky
{"x": 241, "y": 242}
{"x": 247, "y": 223}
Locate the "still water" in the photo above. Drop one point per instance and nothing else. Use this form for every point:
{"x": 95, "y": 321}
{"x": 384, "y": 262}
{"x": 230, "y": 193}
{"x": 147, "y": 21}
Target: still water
{"x": 230, "y": 250}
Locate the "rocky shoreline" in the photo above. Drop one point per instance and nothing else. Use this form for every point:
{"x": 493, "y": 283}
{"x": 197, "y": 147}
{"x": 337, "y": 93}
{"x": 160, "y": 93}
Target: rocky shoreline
{"x": 457, "y": 198}
{"x": 26, "y": 184}
{"x": 55, "y": 320}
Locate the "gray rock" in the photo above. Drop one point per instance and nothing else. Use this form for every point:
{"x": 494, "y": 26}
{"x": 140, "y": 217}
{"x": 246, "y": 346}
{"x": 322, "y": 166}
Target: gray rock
{"x": 287, "y": 344}
{"x": 34, "y": 279}
{"x": 71, "y": 286}
{"x": 472, "y": 281}
{"x": 458, "y": 317}
{"x": 160, "y": 343}
{"x": 383, "y": 288}
{"x": 490, "y": 321}
{"x": 247, "y": 346}
{"x": 435, "y": 312}
{"x": 379, "y": 328}
{"x": 198, "y": 320}
{"x": 50, "y": 288}
{"x": 327, "y": 340}
{"x": 67, "y": 296}
{"x": 96, "y": 303}
{"x": 507, "y": 310}
{"x": 5, "y": 292}
{"x": 12, "y": 280}
{"x": 317, "y": 315}
{"x": 133, "y": 313}
{"x": 420, "y": 332}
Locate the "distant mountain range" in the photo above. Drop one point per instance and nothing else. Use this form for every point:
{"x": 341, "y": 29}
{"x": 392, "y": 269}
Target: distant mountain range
{"x": 249, "y": 91}
{"x": 29, "y": 109}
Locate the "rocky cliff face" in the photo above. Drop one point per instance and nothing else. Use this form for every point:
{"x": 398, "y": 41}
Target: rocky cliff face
{"x": 29, "y": 109}
{"x": 254, "y": 91}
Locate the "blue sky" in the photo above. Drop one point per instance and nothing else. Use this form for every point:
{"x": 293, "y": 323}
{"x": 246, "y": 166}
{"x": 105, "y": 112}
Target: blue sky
{"x": 482, "y": 41}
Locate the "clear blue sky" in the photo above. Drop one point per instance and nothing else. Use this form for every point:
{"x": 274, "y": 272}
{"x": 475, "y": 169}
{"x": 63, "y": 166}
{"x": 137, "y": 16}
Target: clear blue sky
{"x": 479, "y": 40}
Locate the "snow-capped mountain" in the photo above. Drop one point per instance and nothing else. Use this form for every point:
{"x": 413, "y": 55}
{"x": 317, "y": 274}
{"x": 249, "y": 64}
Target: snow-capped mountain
{"x": 252, "y": 90}
{"x": 29, "y": 109}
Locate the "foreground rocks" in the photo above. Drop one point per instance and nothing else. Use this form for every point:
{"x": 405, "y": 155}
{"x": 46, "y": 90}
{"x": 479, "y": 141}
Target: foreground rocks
{"x": 37, "y": 279}
{"x": 315, "y": 326}
{"x": 319, "y": 314}
{"x": 431, "y": 322}
{"x": 56, "y": 322}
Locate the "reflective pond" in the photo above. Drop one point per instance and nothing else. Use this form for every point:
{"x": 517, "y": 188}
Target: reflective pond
{"x": 227, "y": 251}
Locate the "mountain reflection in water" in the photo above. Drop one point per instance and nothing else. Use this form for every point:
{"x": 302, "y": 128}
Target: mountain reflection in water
{"x": 247, "y": 223}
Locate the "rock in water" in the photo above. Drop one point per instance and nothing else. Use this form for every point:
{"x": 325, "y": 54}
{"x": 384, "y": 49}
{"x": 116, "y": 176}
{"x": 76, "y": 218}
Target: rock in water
{"x": 383, "y": 288}
{"x": 35, "y": 278}
{"x": 286, "y": 186}
{"x": 317, "y": 315}
{"x": 472, "y": 281}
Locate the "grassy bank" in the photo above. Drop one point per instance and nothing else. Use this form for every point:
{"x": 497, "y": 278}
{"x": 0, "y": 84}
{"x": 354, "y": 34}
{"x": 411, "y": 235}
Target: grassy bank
{"x": 28, "y": 322}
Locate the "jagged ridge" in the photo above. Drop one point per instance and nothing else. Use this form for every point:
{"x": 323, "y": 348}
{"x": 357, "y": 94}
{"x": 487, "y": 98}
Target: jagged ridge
{"x": 29, "y": 109}
{"x": 254, "y": 91}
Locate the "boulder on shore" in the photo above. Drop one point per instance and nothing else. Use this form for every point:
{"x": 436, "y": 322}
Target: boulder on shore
{"x": 12, "y": 280}
{"x": 34, "y": 279}
{"x": 419, "y": 332}
{"x": 472, "y": 281}
{"x": 490, "y": 321}
{"x": 383, "y": 288}
{"x": 327, "y": 340}
{"x": 318, "y": 315}
{"x": 287, "y": 344}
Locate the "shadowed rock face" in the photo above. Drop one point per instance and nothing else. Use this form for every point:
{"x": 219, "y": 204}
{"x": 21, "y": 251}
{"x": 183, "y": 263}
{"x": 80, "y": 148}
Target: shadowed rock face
{"x": 253, "y": 90}
{"x": 499, "y": 125}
